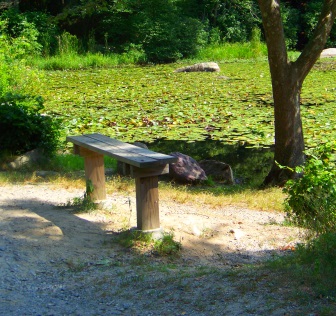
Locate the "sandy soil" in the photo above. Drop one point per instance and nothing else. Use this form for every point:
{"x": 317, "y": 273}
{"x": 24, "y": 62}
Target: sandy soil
{"x": 224, "y": 236}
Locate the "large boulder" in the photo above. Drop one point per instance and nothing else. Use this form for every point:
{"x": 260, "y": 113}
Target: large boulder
{"x": 207, "y": 67}
{"x": 186, "y": 169}
{"x": 34, "y": 156}
{"x": 329, "y": 52}
{"x": 218, "y": 170}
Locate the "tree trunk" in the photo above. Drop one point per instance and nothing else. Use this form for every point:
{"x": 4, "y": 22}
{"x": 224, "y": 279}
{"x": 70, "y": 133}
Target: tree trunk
{"x": 287, "y": 80}
{"x": 289, "y": 141}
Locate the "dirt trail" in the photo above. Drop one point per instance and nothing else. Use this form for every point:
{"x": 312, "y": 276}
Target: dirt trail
{"x": 223, "y": 236}
{"x": 40, "y": 241}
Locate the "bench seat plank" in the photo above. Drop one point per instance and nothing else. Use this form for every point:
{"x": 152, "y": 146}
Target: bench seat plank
{"x": 127, "y": 153}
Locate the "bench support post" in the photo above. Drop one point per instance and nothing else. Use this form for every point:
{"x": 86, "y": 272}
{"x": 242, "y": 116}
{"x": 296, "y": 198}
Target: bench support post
{"x": 94, "y": 172}
{"x": 147, "y": 203}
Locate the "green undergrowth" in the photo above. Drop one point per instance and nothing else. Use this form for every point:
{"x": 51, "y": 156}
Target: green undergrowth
{"x": 86, "y": 61}
{"x": 233, "y": 51}
{"x": 82, "y": 204}
{"x": 143, "y": 242}
{"x": 67, "y": 170}
{"x": 312, "y": 266}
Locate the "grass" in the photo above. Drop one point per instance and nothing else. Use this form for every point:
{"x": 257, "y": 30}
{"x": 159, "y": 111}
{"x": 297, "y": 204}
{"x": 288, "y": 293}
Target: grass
{"x": 89, "y": 60}
{"x": 145, "y": 243}
{"x": 69, "y": 173}
{"x": 218, "y": 52}
{"x": 233, "y": 51}
{"x": 313, "y": 264}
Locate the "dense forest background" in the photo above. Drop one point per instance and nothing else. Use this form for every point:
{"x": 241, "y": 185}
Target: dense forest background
{"x": 164, "y": 30}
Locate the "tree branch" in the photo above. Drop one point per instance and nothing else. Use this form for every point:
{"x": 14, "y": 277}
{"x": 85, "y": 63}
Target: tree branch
{"x": 313, "y": 49}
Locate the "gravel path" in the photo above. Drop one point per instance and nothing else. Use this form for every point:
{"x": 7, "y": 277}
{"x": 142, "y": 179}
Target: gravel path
{"x": 54, "y": 262}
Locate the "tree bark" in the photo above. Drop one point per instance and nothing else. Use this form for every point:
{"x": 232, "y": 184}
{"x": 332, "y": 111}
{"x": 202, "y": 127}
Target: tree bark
{"x": 287, "y": 79}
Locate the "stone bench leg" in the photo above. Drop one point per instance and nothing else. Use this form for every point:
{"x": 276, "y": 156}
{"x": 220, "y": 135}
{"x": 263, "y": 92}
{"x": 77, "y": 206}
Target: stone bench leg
{"x": 147, "y": 203}
{"x": 94, "y": 172}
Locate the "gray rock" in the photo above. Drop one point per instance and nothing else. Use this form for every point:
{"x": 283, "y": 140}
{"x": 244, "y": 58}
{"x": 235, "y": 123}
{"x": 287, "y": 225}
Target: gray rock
{"x": 218, "y": 170}
{"x": 329, "y": 52}
{"x": 206, "y": 67}
{"x": 30, "y": 157}
{"x": 186, "y": 169}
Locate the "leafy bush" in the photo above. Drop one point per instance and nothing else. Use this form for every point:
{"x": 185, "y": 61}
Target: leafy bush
{"x": 19, "y": 43}
{"x": 164, "y": 33}
{"x": 24, "y": 128}
{"x": 312, "y": 265}
{"x": 68, "y": 44}
{"x": 311, "y": 201}
{"x": 38, "y": 26}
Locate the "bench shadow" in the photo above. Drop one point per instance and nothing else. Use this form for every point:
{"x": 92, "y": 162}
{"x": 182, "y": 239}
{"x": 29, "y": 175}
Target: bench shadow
{"x": 48, "y": 225}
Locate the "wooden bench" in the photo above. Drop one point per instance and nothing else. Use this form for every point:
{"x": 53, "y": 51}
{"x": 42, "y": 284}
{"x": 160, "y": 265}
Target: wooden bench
{"x": 144, "y": 165}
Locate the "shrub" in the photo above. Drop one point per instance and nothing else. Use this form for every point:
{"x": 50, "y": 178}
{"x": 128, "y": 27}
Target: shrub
{"x": 38, "y": 26}
{"x": 311, "y": 201}
{"x": 68, "y": 44}
{"x": 24, "y": 128}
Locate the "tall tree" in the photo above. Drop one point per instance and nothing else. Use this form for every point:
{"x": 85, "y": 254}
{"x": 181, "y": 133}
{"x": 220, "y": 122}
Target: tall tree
{"x": 287, "y": 79}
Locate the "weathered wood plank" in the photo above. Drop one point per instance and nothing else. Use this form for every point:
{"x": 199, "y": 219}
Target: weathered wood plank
{"x": 127, "y": 153}
{"x": 149, "y": 172}
{"x": 131, "y": 148}
{"x": 95, "y": 172}
{"x": 147, "y": 201}
{"x": 112, "y": 151}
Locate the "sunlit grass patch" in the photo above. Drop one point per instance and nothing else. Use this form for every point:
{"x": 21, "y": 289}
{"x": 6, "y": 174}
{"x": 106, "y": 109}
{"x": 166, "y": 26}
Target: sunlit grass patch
{"x": 144, "y": 242}
{"x": 232, "y": 51}
{"x": 270, "y": 199}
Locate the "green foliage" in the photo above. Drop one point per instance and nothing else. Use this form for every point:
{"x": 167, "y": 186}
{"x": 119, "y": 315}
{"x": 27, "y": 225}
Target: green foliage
{"x": 133, "y": 55}
{"x": 309, "y": 18}
{"x": 236, "y": 19}
{"x": 311, "y": 266}
{"x": 134, "y": 239}
{"x": 311, "y": 201}
{"x": 135, "y": 103}
{"x": 89, "y": 188}
{"x": 141, "y": 241}
{"x": 82, "y": 204}
{"x": 320, "y": 254}
{"x": 19, "y": 37}
{"x": 14, "y": 76}
{"x": 167, "y": 245}
{"x": 69, "y": 163}
{"x": 228, "y": 51}
{"x": 291, "y": 22}
{"x": 68, "y": 44}
{"x": 164, "y": 33}
{"x": 165, "y": 30}
{"x": 24, "y": 128}
{"x": 40, "y": 25}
